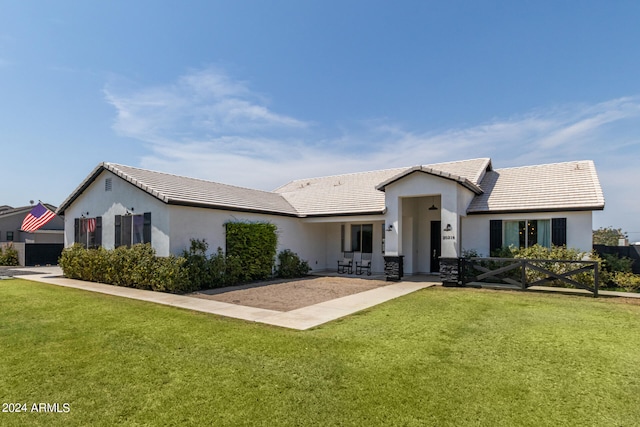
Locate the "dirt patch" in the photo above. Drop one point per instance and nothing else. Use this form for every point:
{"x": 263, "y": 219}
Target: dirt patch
{"x": 287, "y": 295}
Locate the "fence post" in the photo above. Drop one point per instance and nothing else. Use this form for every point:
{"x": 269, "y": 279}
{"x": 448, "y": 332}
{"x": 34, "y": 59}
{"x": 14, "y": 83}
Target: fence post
{"x": 523, "y": 274}
{"x": 596, "y": 279}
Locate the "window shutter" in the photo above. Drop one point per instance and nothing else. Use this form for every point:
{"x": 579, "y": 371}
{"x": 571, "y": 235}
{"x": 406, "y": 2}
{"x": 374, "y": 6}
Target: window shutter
{"x": 495, "y": 235}
{"x": 146, "y": 228}
{"x": 559, "y": 231}
{"x": 98, "y": 232}
{"x": 76, "y": 230}
{"x": 118, "y": 235}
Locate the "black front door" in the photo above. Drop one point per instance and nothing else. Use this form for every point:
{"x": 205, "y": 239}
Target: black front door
{"x": 436, "y": 246}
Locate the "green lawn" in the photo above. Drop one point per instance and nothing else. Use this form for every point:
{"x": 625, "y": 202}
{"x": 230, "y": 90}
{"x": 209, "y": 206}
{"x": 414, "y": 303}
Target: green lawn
{"x": 436, "y": 357}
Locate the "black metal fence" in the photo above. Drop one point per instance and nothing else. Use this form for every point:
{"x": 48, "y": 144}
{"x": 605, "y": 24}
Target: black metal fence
{"x": 525, "y": 273}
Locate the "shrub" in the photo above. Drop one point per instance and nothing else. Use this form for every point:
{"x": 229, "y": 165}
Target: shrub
{"x": 290, "y": 265}
{"x": 629, "y": 281}
{"x": 136, "y": 267}
{"x": 198, "y": 265}
{"x": 253, "y": 246}
{"x": 9, "y": 255}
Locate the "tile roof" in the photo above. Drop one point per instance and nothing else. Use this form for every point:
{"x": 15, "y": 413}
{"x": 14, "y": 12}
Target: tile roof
{"x": 180, "y": 190}
{"x": 357, "y": 192}
{"x": 559, "y": 186}
{"x": 550, "y": 187}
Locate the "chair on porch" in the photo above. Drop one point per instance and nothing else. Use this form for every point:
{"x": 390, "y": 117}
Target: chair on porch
{"x": 345, "y": 265}
{"x": 364, "y": 264}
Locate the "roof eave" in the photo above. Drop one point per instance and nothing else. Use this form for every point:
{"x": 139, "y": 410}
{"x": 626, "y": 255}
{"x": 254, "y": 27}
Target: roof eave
{"x": 430, "y": 171}
{"x": 175, "y": 202}
{"x": 534, "y": 210}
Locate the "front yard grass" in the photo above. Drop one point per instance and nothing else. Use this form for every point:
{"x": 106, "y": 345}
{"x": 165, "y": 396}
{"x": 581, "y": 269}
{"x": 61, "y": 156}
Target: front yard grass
{"x": 436, "y": 357}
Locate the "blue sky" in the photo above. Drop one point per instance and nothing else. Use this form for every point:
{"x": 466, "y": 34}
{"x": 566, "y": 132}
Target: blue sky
{"x": 257, "y": 93}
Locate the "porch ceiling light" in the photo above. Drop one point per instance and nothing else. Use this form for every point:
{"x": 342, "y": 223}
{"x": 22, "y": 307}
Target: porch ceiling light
{"x": 433, "y": 206}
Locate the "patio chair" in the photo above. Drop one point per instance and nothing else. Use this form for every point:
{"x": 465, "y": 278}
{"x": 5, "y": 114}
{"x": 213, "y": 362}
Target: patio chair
{"x": 364, "y": 264}
{"x": 346, "y": 264}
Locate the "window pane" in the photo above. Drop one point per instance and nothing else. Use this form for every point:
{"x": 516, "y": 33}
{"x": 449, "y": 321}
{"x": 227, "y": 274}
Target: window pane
{"x": 356, "y": 237}
{"x": 511, "y": 236}
{"x": 138, "y": 228}
{"x": 544, "y": 232}
{"x": 367, "y": 238}
{"x": 532, "y": 232}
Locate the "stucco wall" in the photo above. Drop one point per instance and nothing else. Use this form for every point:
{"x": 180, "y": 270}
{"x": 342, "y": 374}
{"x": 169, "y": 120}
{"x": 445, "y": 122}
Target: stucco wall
{"x": 475, "y": 229}
{"x": 107, "y": 204}
{"x": 187, "y": 223}
{"x": 453, "y": 203}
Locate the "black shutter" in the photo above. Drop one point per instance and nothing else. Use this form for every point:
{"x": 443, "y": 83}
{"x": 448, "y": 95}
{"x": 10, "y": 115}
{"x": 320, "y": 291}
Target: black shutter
{"x": 98, "y": 232}
{"x": 118, "y": 236}
{"x": 559, "y": 231}
{"x": 495, "y": 235}
{"x": 76, "y": 230}
{"x": 146, "y": 228}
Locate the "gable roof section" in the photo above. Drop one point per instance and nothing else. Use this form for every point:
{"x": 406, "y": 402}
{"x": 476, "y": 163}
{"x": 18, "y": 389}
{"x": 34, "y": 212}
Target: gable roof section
{"x": 180, "y": 190}
{"x": 542, "y": 188}
{"x": 467, "y": 173}
{"x": 359, "y": 193}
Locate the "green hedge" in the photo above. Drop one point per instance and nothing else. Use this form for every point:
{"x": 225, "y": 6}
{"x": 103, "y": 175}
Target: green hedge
{"x": 134, "y": 267}
{"x": 139, "y": 267}
{"x": 252, "y": 245}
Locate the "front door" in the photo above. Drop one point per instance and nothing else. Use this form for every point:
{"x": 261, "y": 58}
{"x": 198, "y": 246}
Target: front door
{"x": 436, "y": 246}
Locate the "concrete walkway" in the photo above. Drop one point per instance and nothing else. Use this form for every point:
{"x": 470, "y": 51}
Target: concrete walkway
{"x": 301, "y": 319}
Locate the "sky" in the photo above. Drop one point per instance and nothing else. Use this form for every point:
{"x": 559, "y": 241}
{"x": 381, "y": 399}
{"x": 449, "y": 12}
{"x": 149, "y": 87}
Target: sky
{"x": 256, "y": 93}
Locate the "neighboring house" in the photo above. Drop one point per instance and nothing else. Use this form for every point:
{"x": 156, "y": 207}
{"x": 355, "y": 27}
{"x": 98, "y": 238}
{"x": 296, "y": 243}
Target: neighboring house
{"x": 427, "y": 214}
{"x": 36, "y": 247}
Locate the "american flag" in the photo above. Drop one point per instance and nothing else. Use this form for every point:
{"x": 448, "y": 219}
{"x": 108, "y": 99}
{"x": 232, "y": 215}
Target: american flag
{"x": 38, "y": 217}
{"x": 89, "y": 225}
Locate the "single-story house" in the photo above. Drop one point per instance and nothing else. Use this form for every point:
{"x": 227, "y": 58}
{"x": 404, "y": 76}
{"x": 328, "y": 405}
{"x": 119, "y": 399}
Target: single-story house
{"x": 424, "y": 213}
{"x": 42, "y": 246}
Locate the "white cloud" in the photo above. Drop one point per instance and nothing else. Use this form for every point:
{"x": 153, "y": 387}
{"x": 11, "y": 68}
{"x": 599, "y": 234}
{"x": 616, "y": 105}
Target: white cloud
{"x": 210, "y": 126}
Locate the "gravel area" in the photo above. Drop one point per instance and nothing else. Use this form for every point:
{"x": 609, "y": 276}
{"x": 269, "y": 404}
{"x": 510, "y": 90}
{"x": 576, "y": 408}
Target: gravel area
{"x": 287, "y": 295}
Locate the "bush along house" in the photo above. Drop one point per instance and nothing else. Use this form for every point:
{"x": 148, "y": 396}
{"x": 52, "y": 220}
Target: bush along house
{"x": 422, "y": 216}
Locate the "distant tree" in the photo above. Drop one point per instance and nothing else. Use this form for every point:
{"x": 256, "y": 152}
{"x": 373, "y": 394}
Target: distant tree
{"x": 608, "y": 236}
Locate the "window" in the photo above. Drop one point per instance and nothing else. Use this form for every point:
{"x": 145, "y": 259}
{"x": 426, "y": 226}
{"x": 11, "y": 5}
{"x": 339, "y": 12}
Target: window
{"x": 384, "y": 229}
{"x": 362, "y": 238}
{"x": 88, "y": 232}
{"x": 9, "y": 236}
{"x": 132, "y": 229}
{"x": 524, "y": 233}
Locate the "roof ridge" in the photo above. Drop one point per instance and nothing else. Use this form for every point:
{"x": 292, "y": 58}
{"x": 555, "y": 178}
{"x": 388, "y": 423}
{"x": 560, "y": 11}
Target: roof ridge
{"x": 545, "y": 164}
{"x": 429, "y": 165}
{"x": 188, "y": 177}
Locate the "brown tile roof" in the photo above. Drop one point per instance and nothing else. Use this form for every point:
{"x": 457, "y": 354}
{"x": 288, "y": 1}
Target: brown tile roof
{"x": 550, "y": 187}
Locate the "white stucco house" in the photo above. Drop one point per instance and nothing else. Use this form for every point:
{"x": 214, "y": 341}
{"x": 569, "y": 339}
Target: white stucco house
{"x": 423, "y": 213}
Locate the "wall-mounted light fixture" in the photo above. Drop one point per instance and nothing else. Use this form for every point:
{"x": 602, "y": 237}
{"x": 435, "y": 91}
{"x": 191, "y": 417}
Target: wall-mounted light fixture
{"x": 390, "y": 227}
{"x": 448, "y": 228}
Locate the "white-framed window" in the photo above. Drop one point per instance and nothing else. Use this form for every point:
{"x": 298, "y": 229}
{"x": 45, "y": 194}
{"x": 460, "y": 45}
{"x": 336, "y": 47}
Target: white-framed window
{"x": 527, "y": 232}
